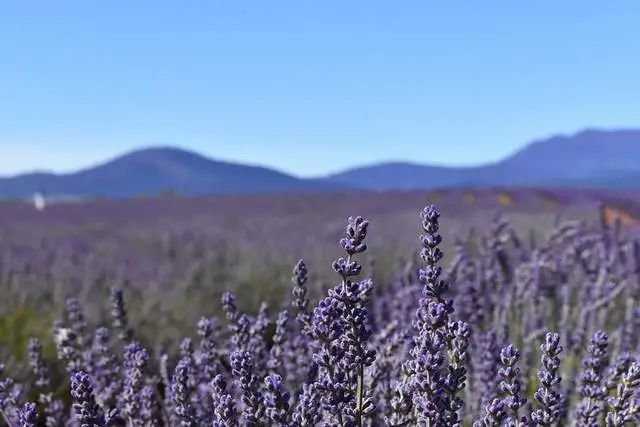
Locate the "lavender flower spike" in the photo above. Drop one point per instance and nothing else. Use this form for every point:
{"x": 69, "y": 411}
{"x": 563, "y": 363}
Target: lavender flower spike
{"x": 591, "y": 387}
{"x": 28, "y": 415}
{"x": 355, "y": 295}
{"x": 181, "y": 393}
{"x": 77, "y": 322}
{"x": 119, "y": 314}
{"x": 510, "y": 384}
{"x": 85, "y": 407}
{"x": 456, "y": 377}
{"x": 300, "y": 301}
{"x": 135, "y": 362}
{"x": 624, "y": 410}
{"x": 307, "y": 412}
{"x": 276, "y": 401}
{"x": 494, "y": 415}
{"x": 9, "y": 394}
{"x": 243, "y": 369}
{"x": 277, "y": 348}
{"x": 430, "y": 398}
{"x": 547, "y": 395}
{"x": 37, "y": 363}
{"x": 224, "y": 410}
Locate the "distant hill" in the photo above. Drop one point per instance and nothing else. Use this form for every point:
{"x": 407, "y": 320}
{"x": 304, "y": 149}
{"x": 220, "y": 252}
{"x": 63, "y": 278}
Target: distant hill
{"x": 156, "y": 170}
{"x": 589, "y": 159}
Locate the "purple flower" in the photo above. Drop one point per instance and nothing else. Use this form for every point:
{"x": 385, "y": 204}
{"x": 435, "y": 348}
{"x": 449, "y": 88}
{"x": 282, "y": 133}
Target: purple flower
{"x": 106, "y": 369}
{"x": 357, "y": 323}
{"x": 547, "y": 395}
{"x": 456, "y": 376}
{"x": 510, "y": 384}
{"x": 38, "y": 365}
{"x": 186, "y": 348}
{"x": 426, "y": 384}
{"x": 435, "y": 287}
{"x": 327, "y": 327}
{"x": 401, "y": 404}
{"x": 620, "y": 367}
{"x": 135, "y": 362}
{"x": 430, "y": 396}
{"x": 242, "y": 366}
{"x": 591, "y": 387}
{"x": 396, "y": 355}
{"x": 28, "y": 415}
{"x": 68, "y": 349}
{"x": 229, "y": 306}
{"x": 225, "y": 412}
{"x": 54, "y": 410}
{"x": 87, "y": 411}
{"x": 353, "y": 242}
{"x": 388, "y": 341}
{"x": 257, "y": 332}
{"x": 9, "y": 396}
{"x": 119, "y": 315}
{"x": 181, "y": 391}
{"x": 239, "y": 323}
{"x": 150, "y": 411}
{"x": 623, "y": 410}
{"x": 494, "y": 414}
{"x": 307, "y": 411}
{"x": 277, "y": 348}
{"x": 486, "y": 369}
{"x": 209, "y": 366}
{"x": 300, "y": 301}
{"x": 342, "y": 328}
{"x": 276, "y": 401}
{"x": 77, "y": 323}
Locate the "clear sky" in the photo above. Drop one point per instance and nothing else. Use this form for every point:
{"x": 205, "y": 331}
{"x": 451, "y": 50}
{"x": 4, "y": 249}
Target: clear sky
{"x": 310, "y": 87}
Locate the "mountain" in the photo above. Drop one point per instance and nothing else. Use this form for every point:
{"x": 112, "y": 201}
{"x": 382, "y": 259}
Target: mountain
{"x": 156, "y": 170}
{"x": 403, "y": 176}
{"x": 592, "y": 158}
{"x": 580, "y": 156}
{"x": 589, "y": 159}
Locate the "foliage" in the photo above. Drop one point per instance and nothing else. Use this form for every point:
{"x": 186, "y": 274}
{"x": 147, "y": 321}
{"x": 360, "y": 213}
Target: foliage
{"x": 505, "y": 332}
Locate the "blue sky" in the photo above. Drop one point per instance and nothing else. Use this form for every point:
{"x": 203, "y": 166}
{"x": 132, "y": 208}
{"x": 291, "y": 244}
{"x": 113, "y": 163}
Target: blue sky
{"x": 310, "y": 87}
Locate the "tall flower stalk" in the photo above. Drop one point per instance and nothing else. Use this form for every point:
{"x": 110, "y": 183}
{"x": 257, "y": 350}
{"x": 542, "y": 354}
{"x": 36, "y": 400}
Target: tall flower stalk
{"x": 357, "y": 328}
{"x": 511, "y": 386}
{"x": 623, "y": 406}
{"x": 591, "y": 387}
{"x": 87, "y": 411}
{"x": 431, "y": 399}
{"x": 547, "y": 394}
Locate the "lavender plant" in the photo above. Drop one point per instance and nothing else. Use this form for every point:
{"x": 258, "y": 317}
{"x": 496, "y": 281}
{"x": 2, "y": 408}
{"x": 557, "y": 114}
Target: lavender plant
{"x": 87, "y": 411}
{"x": 434, "y": 346}
{"x": 591, "y": 388}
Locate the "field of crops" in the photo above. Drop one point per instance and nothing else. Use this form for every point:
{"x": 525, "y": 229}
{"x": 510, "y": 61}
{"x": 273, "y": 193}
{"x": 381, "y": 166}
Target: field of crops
{"x": 484, "y": 308}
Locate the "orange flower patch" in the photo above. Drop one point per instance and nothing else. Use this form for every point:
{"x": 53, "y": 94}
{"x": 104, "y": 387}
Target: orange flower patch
{"x": 611, "y": 214}
{"x": 504, "y": 199}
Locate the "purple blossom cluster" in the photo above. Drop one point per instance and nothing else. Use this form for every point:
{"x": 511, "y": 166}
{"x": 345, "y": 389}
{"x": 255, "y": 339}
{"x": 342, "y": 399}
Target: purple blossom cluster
{"x": 507, "y": 334}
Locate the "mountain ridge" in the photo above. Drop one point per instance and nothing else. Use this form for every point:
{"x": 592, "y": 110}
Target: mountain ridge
{"x": 588, "y": 159}
{"x": 155, "y": 170}
{"x": 606, "y": 155}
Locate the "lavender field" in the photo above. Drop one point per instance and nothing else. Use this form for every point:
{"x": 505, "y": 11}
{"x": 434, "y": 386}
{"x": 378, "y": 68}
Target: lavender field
{"x": 441, "y": 308}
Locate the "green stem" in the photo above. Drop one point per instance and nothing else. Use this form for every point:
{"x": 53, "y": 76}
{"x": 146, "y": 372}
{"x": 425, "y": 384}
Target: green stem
{"x": 360, "y": 393}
